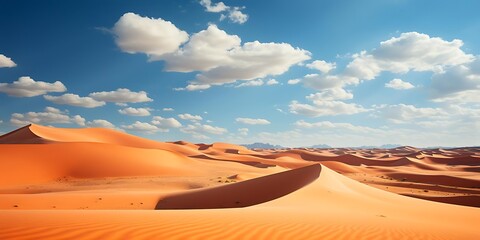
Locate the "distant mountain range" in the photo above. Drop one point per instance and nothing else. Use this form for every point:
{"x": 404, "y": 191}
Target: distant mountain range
{"x": 261, "y": 145}
{"x": 320, "y": 146}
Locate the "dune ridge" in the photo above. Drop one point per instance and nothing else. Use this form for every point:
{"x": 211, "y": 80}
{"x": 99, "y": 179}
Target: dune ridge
{"x": 243, "y": 194}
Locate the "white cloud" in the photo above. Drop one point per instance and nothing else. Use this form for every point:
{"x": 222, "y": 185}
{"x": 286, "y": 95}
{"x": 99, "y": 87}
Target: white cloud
{"x": 135, "y": 111}
{"x": 6, "y": 62}
{"x": 101, "y": 123}
{"x": 196, "y": 87}
{"x": 49, "y": 116}
{"x": 209, "y": 7}
{"x": 402, "y": 113}
{"x": 168, "y": 109}
{"x": 325, "y": 108}
{"x": 411, "y": 51}
{"x": 252, "y": 83}
{"x": 234, "y": 13}
{"x": 206, "y": 50}
{"x": 253, "y": 60}
{"x": 142, "y": 127}
{"x": 165, "y": 123}
{"x": 237, "y": 16}
{"x": 294, "y": 81}
{"x": 330, "y": 94}
{"x": 190, "y": 117}
{"x": 399, "y": 84}
{"x": 330, "y": 125}
{"x": 457, "y": 84}
{"x": 243, "y": 131}
{"x": 321, "y": 66}
{"x": 325, "y": 103}
{"x": 252, "y": 121}
{"x": 27, "y": 87}
{"x": 325, "y": 81}
{"x": 154, "y": 37}
{"x": 198, "y": 130}
{"x": 74, "y": 100}
{"x": 272, "y": 82}
{"x": 121, "y": 95}
{"x": 219, "y": 57}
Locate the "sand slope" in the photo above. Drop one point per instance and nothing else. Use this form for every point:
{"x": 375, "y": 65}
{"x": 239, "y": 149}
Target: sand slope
{"x": 50, "y": 176}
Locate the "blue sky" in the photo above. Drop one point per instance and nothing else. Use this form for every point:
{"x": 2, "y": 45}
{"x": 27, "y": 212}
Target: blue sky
{"x": 343, "y": 73}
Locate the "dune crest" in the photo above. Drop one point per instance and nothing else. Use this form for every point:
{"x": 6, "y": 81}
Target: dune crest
{"x": 243, "y": 194}
{"x": 22, "y": 135}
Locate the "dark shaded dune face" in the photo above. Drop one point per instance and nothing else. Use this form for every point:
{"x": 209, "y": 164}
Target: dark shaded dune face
{"x": 243, "y": 194}
{"x": 471, "y": 201}
{"x": 463, "y": 160}
{"x": 22, "y": 136}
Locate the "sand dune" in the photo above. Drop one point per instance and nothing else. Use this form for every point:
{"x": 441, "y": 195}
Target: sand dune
{"x": 50, "y": 177}
{"x": 243, "y": 194}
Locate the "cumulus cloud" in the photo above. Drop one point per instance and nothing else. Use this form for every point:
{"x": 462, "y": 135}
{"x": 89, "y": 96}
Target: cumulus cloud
{"x": 294, "y": 81}
{"x": 237, "y": 16}
{"x": 195, "y": 87}
{"x": 321, "y": 66}
{"x": 27, "y": 87}
{"x": 410, "y": 51}
{"x": 121, "y": 95}
{"x": 253, "y": 60}
{"x": 457, "y": 84}
{"x": 219, "y": 57}
{"x": 6, "y": 62}
{"x": 205, "y": 50}
{"x": 402, "y": 113}
{"x": 101, "y": 123}
{"x": 154, "y": 37}
{"x": 330, "y": 94}
{"x": 49, "y": 116}
{"x": 325, "y": 103}
{"x": 142, "y": 127}
{"x": 252, "y": 83}
{"x": 217, "y": 7}
{"x": 74, "y": 100}
{"x": 233, "y": 13}
{"x": 272, "y": 82}
{"x": 190, "y": 117}
{"x": 168, "y": 109}
{"x": 140, "y": 112}
{"x": 198, "y": 130}
{"x": 399, "y": 84}
{"x": 325, "y": 81}
{"x": 252, "y": 121}
{"x": 325, "y": 108}
{"x": 166, "y": 123}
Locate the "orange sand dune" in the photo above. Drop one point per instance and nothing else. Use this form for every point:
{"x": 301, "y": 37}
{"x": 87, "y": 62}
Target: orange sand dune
{"x": 50, "y": 176}
{"x": 243, "y": 194}
{"x": 33, "y": 163}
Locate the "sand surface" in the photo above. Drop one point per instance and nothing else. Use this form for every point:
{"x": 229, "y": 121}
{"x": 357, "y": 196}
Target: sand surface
{"x": 102, "y": 184}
